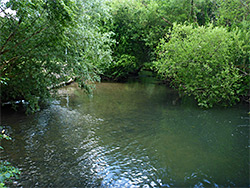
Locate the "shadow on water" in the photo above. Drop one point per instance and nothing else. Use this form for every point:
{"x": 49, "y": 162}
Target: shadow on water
{"x": 129, "y": 134}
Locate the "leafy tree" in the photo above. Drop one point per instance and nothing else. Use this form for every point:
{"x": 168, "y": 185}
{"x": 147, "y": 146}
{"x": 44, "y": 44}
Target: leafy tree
{"x": 201, "y": 61}
{"x": 138, "y": 26}
{"x": 128, "y": 27}
{"x": 233, "y": 13}
{"x": 45, "y": 43}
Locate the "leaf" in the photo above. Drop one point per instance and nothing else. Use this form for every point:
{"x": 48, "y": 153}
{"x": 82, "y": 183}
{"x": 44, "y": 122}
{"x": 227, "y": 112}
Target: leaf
{"x": 7, "y": 175}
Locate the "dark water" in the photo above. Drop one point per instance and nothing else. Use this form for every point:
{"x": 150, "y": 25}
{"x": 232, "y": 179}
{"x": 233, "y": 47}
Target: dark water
{"x": 129, "y": 135}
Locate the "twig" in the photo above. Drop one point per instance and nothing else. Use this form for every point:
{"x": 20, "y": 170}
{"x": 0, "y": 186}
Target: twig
{"x": 167, "y": 21}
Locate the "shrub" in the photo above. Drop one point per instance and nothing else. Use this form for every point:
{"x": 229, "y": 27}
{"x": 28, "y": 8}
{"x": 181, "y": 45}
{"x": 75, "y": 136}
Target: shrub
{"x": 6, "y": 170}
{"x": 201, "y": 61}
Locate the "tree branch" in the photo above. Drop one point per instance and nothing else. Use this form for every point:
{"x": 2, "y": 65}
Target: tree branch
{"x": 31, "y": 24}
{"x": 167, "y": 21}
{"x": 15, "y": 31}
{"x": 162, "y": 17}
{"x": 24, "y": 40}
{"x": 10, "y": 36}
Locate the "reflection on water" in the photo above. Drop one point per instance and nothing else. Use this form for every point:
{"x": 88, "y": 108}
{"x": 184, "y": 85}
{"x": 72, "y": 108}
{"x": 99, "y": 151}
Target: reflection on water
{"x": 129, "y": 135}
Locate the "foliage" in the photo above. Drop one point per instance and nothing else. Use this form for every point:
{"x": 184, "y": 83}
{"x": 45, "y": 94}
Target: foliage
{"x": 201, "y": 61}
{"x": 138, "y": 26}
{"x": 6, "y": 170}
{"x": 127, "y": 26}
{"x": 45, "y": 43}
{"x": 192, "y": 11}
{"x": 120, "y": 69}
{"x": 235, "y": 16}
{"x": 233, "y": 13}
{"x": 3, "y": 81}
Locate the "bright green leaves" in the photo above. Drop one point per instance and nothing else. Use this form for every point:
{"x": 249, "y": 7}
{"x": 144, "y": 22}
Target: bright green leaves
{"x": 6, "y": 170}
{"x": 127, "y": 24}
{"x": 64, "y": 11}
{"x": 4, "y": 136}
{"x": 200, "y": 61}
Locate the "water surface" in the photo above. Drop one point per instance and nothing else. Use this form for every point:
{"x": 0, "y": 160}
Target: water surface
{"x": 129, "y": 135}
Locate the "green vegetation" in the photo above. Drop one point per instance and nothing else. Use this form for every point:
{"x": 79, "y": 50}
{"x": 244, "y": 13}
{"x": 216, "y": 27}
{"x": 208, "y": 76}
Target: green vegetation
{"x": 120, "y": 69}
{"x": 44, "y": 43}
{"x": 201, "y": 46}
{"x": 138, "y": 26}
{"x": 6, "y": 170}
{"x": 201, "y": 61}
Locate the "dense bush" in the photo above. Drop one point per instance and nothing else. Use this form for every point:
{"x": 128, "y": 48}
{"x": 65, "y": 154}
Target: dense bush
{"x": 202, "y": 61}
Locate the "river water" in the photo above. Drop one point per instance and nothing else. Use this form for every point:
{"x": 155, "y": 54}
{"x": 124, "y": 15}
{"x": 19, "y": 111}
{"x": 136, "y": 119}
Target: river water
{"x": 128, "y": 135}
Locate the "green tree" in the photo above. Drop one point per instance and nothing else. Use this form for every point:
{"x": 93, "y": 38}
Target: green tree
{"x": 44, "y": 43}
{"x": 233, "y": 13}
{"x": 138, "y": 27}
{"x": 202, "y": 61}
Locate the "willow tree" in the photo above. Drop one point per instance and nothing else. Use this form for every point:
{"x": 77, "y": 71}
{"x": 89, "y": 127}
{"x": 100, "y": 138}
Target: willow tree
{"x": 44, "y": 43}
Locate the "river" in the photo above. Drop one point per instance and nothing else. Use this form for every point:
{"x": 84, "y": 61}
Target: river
{"x": 128, "y": 135}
